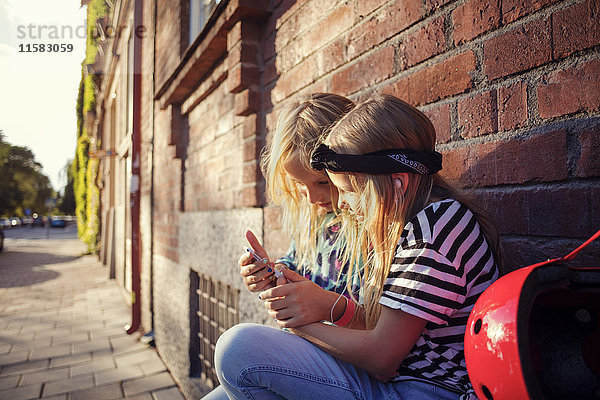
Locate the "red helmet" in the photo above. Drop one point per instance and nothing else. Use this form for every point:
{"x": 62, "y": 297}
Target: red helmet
{"x": 535, "y": 334}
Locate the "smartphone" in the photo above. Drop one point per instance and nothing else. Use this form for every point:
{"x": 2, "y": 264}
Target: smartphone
{"x": 265, "y": 260}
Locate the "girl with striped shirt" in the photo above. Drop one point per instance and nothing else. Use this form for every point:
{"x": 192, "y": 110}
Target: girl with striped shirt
{"x": 428, "y": 255}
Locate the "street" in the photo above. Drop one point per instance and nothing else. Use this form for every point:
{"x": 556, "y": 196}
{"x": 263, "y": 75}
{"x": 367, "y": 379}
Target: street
{"x": 62, "y": 325}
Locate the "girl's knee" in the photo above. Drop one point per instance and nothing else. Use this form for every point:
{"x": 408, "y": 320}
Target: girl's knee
{"x": 237, "y": 347}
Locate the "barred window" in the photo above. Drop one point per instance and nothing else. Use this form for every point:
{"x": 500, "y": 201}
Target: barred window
{"x": 217, "y": 312}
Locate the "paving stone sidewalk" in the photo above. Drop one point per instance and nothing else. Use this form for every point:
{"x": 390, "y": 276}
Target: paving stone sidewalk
{"x": 61, "y": 329}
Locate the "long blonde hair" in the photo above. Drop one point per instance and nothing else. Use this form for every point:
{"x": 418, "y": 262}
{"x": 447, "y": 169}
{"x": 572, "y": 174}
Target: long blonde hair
{"x": 300, "y": 127}
{"x": 380, "y": 123}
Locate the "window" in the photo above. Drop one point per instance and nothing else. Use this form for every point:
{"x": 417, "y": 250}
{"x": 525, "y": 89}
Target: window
{"x": 200, "y": 12}
{"x": 217, "y": 312}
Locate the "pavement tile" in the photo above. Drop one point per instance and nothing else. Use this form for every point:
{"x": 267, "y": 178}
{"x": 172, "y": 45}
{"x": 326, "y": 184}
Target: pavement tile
{"x": 25, "y": 367}
{"x": 70, "y": 360}
{"x": 5, "y": 348}
{"x": 94, "y": 366}
{"x": 56, "y": 332}
{"x": 153, "y": 366}
{"x": 14, "y": 357}
{"x": 22, "y": 393}
{"x": 50, "y": 352}
{"x": 69, "y": 385}
{"x": 106, "y": 332}
{"x": 9, "y": 382}
{"x": 73, "y": 338}
{"x": 119, "y": 375}
{"x": 138, "y": 357}
{"x": 168, "y": 394}
{"x": 96, "y": 345}
{"x": 148, "y": 384}
{"x": 124, "y": 344}
{"x": 56, "y": 397}
{"x": 44, "y": 376}
{"x": 143, "y": 396}
{"x": 15, "y": 336}
{"x": 106, "y": 392}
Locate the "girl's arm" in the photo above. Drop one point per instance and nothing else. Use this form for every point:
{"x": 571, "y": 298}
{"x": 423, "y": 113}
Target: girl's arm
{"x": 378, "y": 351}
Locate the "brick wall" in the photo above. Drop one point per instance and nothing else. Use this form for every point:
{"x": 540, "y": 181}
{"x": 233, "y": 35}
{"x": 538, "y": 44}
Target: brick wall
{"x": 512, "y": 88}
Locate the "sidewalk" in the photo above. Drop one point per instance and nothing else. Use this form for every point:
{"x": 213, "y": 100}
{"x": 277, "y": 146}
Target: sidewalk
{"x": 61, "y": 329}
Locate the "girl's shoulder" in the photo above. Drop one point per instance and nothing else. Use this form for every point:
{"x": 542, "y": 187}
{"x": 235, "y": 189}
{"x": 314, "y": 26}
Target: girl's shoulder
{"x": 436, "y": 220}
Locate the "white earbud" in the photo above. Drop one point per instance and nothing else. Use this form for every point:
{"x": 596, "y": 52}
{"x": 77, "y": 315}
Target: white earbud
{"x": 398, "y": 183}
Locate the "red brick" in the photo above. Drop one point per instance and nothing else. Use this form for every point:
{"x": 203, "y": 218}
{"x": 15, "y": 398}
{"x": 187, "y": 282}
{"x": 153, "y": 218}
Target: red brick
{"x": 576, "y": 28}
{"x": 588, "y": 163}
{"x": 365, "y": 72}
{"x": 512, "y": 106}
{"x": 571, "y": 90}
{"x": 366, "y": 7}
{"x": 247, "y": 102}
{"x": 507, "y": 208}
{"x": 251, "y": 173}
{"x": 434, "y": 5}
{"x": 241, "y": 77}
{"x": 330, "y": 58}
{"x": 478, "y": 115}
{"x": 292, "y": 81}
{"x": 438, "y": 81}
{"x": 292, "y": 28}
{"x": 475, "y": 17}
{"x": 518, "y": 50}
{"x": 515, "y": 9}
{"x": 270, "y": 73}
{"x": 243, "y": 31}
{"x": 249, "y": 197}
{"x": 540, "y": 158}
{"x": 424, "y": 43}
{"x": 243, "y": 52}
{"x": 333, "y": 25}
{"x": 548, "y": 211}
{"x": 249, "y": 126}
{"x": 383, "y": 25}
{"x": 440, "y": 118}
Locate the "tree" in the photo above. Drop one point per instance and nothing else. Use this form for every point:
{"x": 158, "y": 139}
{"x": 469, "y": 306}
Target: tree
{"x": 22, "y": 183}
{"x": 66, "y": 203}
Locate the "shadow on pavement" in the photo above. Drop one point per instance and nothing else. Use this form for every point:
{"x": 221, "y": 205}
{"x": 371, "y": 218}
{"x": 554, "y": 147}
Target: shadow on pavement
{"x": 22, "y": 268}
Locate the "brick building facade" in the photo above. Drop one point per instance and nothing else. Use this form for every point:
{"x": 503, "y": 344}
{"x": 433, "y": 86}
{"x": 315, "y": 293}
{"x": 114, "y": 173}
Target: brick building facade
{"x": 512, "y": 87}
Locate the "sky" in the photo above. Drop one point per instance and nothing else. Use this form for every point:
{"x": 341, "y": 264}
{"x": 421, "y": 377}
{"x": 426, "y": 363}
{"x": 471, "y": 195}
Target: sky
{"x": 38, "y": 90}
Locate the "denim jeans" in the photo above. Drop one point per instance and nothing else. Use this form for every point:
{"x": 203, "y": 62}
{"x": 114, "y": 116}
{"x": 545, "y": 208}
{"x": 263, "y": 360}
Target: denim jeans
{"x": 259, "y": 362}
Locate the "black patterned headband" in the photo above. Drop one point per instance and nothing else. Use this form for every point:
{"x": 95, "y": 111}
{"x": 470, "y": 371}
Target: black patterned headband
{"x": 379, "y": 162}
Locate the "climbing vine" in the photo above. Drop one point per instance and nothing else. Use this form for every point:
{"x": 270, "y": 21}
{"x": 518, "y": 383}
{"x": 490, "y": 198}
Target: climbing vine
{"x": 84, "y": 168}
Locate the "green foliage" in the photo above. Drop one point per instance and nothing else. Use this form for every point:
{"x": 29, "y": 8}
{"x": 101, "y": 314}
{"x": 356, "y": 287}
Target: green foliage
{"x": 97, "y": 9}
{"x": 85, "y": 170}
{"x": 22, "y": 183}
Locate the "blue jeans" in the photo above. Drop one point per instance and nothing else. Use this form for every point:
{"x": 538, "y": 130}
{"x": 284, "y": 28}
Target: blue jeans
{"x": 259, "y": 362}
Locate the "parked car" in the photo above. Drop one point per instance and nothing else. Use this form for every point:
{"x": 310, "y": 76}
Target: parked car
{"x": 5, "y": 223}
{"x": 57, "y": 222}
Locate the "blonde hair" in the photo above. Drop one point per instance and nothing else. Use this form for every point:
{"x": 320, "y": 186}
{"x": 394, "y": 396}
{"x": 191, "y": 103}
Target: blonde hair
{"x": 382, "y": 123}
{"x": 299, "y": 128}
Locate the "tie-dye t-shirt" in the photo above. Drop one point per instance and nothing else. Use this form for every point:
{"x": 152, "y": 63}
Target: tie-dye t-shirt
{"x": 325, "y": 270}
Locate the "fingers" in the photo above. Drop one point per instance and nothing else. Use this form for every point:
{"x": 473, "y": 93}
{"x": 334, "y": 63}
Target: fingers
{"x": 277, "y": 292}
{"x": 292, "y": 276}
{"x": 255, "y": 244}
{"x": 260, "y": 286}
